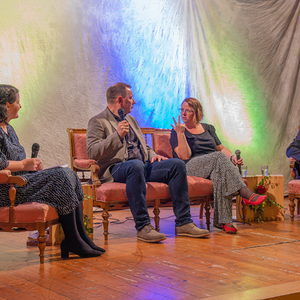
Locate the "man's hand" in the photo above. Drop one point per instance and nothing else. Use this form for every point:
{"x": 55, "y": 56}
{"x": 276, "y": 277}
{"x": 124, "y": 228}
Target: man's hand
{"x": 158, "y": 158}
{"x": 123, "y": 128}
{"x": 32, "y": 164}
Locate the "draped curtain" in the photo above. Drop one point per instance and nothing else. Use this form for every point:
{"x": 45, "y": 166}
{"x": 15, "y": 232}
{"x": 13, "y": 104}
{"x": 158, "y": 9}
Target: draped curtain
{"x": 240, "y": 59}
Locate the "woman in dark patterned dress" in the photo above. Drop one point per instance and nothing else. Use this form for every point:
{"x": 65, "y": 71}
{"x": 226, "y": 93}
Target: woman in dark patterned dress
{"x": 58, "y": 187}
{"x": 198, "y": 145}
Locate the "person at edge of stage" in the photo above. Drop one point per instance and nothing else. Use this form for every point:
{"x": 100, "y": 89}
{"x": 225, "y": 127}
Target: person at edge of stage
{"x": 57, "y": 187}
{"x": 293, "y": 152}
{"x": 198, "y": 145}
{"x": 123, "y": 156}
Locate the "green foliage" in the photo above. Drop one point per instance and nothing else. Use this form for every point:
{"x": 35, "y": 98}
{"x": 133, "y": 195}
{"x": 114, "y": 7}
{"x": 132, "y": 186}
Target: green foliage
{"x": 259, "y": 209}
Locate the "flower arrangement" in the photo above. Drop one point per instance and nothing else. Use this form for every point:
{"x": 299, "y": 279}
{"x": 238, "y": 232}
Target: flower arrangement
{"x": 262, "y": 189}
{"x": 86, "y": 220}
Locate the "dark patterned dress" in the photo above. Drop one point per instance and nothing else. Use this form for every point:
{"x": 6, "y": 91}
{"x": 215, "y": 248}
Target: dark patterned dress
{"x": 206, "y": 162}
{"x": 58, "y": 187}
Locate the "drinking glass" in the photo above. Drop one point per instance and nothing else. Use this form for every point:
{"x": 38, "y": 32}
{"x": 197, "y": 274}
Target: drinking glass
{"x": 244, "y": 171}
{"x": 264, "y": 170}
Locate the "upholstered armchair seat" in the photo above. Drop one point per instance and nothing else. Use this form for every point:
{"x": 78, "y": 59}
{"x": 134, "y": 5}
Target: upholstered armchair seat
{"x": 294, "y": 193}
{"x": 294, "y": 186}
{"x": 27, "y": 216}
{"x": 30, "y": 212}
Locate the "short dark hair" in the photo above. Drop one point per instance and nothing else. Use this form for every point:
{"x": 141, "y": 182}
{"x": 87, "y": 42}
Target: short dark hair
{"x": 118, "y": 89}
{"x": 8, "y": 93}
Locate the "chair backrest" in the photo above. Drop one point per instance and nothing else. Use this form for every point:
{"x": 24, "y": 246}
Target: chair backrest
{"x": 161, "y": 142}
{"x": 78, "y": 148}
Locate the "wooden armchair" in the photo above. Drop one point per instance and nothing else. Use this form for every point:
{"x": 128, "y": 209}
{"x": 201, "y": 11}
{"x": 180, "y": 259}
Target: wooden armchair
{"x": 294, "y": 190}
{"x": 80, "y": 162}
{"x": 28, "y": 216}
{"x": 294, "y": 187}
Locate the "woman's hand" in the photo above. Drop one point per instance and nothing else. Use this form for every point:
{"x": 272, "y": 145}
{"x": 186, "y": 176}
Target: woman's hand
{"x": 179, "y": 127}
{"x": 32, "y": 164}
{"x": 235, "y": 161}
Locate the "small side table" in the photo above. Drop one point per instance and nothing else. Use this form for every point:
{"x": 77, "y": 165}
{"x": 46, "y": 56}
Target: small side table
{"x": 88, "y": 206}
{"x": 275, "y": 190}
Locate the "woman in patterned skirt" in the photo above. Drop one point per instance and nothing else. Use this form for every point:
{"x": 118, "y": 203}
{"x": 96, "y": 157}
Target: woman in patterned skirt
{"x": 58, "y": 187}
{"x": 198, "y": 145}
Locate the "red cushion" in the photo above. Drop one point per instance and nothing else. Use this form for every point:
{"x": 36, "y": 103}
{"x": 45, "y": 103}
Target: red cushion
{"x": 30, "y": 212}
{"x": 84, "y": 163}
{"x": 80, "y": 146}
{"x": 294, "y": 187}
{"x": 199, "y": 186}
{"x": 114, "y": 191}
{"x": 162, "y": 144}
{"x": 4, "y": 214}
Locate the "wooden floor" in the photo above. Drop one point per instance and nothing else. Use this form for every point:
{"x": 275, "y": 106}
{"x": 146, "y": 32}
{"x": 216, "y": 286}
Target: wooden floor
{"x": 261, "y": 262}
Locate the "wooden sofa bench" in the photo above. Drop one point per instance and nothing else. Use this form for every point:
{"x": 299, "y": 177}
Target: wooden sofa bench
{"x": 107, "y": 195}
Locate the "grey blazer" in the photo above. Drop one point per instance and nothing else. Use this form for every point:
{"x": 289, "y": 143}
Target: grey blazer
{"x": 104, "y": 144}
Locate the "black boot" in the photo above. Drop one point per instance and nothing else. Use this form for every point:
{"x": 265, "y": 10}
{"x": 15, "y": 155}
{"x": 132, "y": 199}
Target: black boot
{"x": 73, "y": 242}
{"x": 82, "y": 231}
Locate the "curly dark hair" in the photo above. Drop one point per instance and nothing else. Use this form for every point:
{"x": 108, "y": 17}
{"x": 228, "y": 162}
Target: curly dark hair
{"x": 8, "y": 93}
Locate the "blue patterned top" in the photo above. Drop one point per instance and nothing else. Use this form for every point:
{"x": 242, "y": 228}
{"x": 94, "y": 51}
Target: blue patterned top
{"x": 10, "y": 148}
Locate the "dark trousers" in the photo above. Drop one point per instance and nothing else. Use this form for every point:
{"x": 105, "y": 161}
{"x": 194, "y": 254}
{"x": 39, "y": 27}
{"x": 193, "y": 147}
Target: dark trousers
{"x": 135, "y": 174}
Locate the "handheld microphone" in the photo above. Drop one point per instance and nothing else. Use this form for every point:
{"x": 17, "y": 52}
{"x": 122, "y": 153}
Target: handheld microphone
{"x": 238, "y": 156}
{"x": 121, "y": 113}
{"x": 35, "y": 149}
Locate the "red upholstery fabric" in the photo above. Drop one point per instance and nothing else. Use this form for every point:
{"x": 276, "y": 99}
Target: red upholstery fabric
{"x": 294, "y": 187}
{"x": 30, "y": 212}
{"x": 84, "y": 163}
{"x": 199, "y": 186}
{"x": 162, "y": 144}
{"x": 80, "y": 146}
{"x": 114, "y": 191}
{"x": 4, "y": 214}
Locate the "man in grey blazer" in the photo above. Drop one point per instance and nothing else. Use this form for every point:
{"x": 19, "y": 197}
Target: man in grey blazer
{"x": 118, "y": 145}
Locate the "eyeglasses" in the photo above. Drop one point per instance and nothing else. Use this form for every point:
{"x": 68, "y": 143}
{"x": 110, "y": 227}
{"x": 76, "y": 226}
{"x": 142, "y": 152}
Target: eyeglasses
{"x": 185, "y": 110}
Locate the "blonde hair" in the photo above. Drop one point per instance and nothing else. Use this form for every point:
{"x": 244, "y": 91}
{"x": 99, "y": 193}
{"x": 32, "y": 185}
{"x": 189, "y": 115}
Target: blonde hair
{"x": 195, "y": 105}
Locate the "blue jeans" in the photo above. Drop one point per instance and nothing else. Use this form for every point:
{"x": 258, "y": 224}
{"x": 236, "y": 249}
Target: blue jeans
{"x": 135, "y": 174}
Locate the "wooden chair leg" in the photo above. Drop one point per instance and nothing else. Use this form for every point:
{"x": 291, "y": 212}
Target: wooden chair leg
{"x": 105, "y": 221}
{"x": 292, "y": 205}
{"x": 207, "y": 212}
{"x": 156, "y": 212}
{"x": 42, "y": 241}
{"x": 201, "y": 210}
{"x": 298, "y": 207}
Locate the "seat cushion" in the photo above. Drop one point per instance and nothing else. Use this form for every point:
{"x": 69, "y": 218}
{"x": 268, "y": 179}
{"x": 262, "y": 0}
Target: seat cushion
{"x": 84, "y": 163}
{"x": 114, "y": 191}
{"x": 294, "y": 187}
{"x": 199, "y": 186}
{"x": 30, "y": 212}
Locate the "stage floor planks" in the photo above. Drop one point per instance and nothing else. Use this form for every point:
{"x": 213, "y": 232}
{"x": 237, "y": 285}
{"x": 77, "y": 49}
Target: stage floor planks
{"x": 260, "y": 262}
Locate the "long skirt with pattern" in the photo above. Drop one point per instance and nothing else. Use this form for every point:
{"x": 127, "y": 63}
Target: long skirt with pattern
{"x": 226, "y": 181}
{"x": 58, "y": 187}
